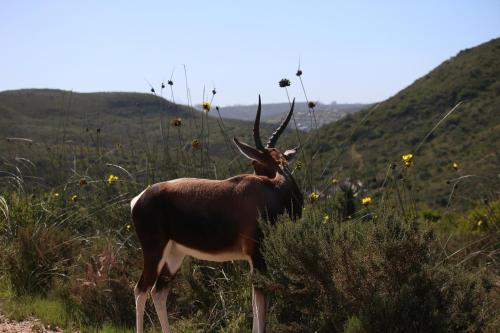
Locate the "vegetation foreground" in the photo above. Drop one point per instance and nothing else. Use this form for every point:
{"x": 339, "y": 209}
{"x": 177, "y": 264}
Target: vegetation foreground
{"x": 361, "y": 259}
{"x": 385, "y": 267}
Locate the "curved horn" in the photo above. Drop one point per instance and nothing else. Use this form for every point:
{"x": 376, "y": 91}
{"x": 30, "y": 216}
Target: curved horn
{"x": 256, "y": 130}
{"x": 274, "y": 138}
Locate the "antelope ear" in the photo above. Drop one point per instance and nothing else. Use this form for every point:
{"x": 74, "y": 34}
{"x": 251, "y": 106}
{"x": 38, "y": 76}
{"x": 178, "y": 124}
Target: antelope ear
{"x": 247, "y": 150}
{"x": 291, "y": 153}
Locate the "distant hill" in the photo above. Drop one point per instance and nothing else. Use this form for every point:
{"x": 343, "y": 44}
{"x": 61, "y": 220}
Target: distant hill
{"x": 47, "y": 114}
{"x": 364, "y": 143}
{"x": 274, "y": 113}
{"x": 37, "y": 113}
{"x": 46, "y": 130}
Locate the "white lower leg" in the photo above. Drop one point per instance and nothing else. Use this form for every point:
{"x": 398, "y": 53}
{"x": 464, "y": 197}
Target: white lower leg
{"x": 173, "y": 260}
{"x": 259, "y": 310}
{"x": 160, "y": 302}
{"x": 140, "y": 303}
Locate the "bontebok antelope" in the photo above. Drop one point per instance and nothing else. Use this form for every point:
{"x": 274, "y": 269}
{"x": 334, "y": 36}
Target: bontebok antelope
{"x": 213, "y": 220}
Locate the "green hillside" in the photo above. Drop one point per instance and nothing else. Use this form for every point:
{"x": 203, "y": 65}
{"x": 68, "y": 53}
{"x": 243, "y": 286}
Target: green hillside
{"x": 364, "y": 144}
{"x": 39, "y": 114}
{"x": 68, "y": 130}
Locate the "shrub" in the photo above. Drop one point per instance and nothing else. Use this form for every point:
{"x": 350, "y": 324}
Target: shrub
{"x": 35, "y": 249}
{"x": 372, "y": 275}
{"x": 37, "y": 256}
{"x": 104, "y": 291}
{"x": 216, "y": 296}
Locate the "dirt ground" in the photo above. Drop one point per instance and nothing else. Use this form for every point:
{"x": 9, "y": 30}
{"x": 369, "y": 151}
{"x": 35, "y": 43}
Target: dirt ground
{"x": 29, "y": 325}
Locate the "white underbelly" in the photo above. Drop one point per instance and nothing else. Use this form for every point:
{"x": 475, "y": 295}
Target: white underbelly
{"x": 219, "y": 257}
{"x": 174, "y": 253}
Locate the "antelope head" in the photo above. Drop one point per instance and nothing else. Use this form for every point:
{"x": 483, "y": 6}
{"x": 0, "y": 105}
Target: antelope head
{"x": 268, "y": 160}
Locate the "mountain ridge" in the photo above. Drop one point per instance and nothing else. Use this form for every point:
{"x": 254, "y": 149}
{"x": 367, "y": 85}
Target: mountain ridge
{"x": 398, "y": 125}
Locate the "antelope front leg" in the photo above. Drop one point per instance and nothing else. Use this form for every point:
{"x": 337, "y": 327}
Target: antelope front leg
{"x": 259, "y": 310}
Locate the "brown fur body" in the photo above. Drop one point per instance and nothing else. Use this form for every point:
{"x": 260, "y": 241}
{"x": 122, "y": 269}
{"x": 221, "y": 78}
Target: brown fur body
{"x": 212, "y": 216}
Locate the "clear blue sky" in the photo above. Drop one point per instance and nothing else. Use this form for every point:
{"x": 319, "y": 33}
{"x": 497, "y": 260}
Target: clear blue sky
{"x": 351, "y": 51}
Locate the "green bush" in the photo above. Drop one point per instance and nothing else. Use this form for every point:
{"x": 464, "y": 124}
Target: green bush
{"x": 216, "y": 296}
{"x": 103, "y": 290}
{"x": 35, "y": 251}
{"x": 38, "y": 255}
{"x": 376, "y": 275}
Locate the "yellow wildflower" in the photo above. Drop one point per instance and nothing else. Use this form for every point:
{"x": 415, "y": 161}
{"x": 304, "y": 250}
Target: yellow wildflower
{"x": 74, "y": 198}
{"x": 335, "y": 181}
{"x": 326, "y": 218}
{"x": 206, "y": 107}
{"x": 366, "y": 201}
{"x": 128, "y": 227}
{"x": 195, "y": 144}
{"x": 407, "y": 159}
{"x": 112, "y": 178}
{"x": 455, "y": 165}
{"x": 56, "y": 195}
{"x": 479, "y": 223}
{"x": 313, "y": 196}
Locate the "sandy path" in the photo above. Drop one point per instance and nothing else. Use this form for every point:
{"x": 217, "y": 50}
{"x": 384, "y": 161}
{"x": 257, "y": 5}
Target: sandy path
{"x": 29, "y": 325}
